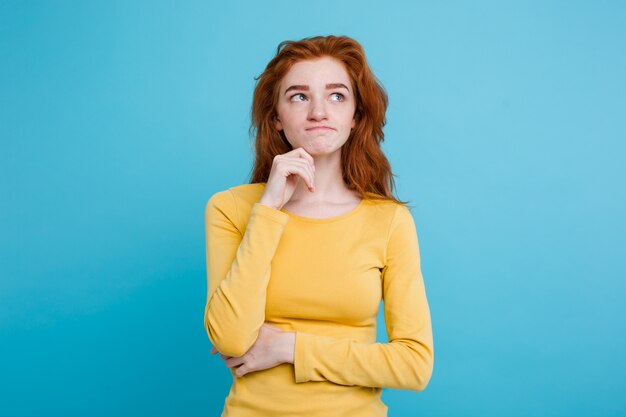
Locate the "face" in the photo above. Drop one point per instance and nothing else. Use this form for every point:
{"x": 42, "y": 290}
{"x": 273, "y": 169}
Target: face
{"x": 316, "y": 106}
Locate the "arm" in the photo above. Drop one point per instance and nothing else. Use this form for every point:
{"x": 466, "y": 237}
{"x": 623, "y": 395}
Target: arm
{"x": 406, "y": 362}
{"x": 238, "y": 271}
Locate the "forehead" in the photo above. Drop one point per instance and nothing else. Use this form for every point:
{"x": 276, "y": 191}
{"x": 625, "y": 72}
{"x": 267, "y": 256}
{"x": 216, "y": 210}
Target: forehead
{"x": 319, "y": 71}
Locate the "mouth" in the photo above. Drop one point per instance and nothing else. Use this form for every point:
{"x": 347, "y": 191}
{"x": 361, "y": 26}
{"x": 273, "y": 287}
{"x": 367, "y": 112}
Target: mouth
{"x": 319, "y": 128}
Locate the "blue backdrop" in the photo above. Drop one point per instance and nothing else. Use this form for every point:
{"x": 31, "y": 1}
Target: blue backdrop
{"x": 506, "y": 129}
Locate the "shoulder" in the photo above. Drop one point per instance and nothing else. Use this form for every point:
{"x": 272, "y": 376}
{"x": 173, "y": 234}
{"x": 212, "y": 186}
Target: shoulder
{"x": 388, "y": 211}
{"x": 238, "y": 194}
{"x": 235, "y": 202}
{"x": 394, "y": 221}
{"x": 248, "y": 194}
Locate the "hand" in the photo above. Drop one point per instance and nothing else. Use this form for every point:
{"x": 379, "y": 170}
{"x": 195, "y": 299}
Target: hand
{"x": 272, "y": 347}
{"x": 287, "y": 170}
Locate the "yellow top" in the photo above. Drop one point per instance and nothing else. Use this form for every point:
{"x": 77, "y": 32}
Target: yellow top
{"x": 323, "y": 279}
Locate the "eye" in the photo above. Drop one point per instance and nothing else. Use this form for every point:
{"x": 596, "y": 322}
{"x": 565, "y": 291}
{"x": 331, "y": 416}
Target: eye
{"x": 296, "y": 95}
{"x": 341, "y": 96}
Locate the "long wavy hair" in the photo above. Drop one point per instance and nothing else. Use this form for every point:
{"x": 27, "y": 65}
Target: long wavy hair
{"x": 365, "y": 167}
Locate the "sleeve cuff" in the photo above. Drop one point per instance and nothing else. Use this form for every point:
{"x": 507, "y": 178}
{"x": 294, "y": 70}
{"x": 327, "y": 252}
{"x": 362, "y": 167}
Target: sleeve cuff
{"x": 299, "y": 357}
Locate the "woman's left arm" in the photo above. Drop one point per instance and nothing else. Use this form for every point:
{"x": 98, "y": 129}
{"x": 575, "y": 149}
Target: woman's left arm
{"x": 406, "y": 362}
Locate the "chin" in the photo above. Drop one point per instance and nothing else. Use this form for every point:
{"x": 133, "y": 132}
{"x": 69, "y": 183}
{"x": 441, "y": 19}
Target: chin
{"x": 319, "y": 151}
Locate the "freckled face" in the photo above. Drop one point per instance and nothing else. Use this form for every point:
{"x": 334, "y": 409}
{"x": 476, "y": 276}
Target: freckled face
{"x": 316, "y": 106}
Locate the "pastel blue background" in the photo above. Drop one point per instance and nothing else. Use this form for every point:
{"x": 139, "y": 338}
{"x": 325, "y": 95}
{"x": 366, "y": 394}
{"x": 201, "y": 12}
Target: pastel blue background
{"x": 506, "y": 129}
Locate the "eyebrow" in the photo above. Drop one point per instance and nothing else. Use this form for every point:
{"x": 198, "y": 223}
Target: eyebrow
{"x": 306, "y": 87}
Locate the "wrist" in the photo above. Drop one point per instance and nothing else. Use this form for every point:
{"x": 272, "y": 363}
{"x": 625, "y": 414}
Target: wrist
{"x": 289, "y": 347}
{"x": 268, "y": 204}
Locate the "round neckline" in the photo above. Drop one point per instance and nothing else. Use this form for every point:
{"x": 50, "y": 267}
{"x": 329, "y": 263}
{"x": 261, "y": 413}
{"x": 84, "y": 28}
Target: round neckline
{"x": 326, "y": 219}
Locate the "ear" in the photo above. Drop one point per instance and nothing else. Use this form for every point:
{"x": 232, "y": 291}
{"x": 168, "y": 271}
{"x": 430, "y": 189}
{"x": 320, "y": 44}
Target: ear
{"x": 277, "y": 124}
{"x": 353, "y": 123}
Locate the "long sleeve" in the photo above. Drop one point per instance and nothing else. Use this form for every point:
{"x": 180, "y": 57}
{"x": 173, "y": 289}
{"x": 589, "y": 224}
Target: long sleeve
{"x": 238, "y": 270}
{"x": 406, "y": 362}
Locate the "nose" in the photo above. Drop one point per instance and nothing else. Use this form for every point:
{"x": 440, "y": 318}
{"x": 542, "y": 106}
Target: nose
{"x": 317, "y": 109}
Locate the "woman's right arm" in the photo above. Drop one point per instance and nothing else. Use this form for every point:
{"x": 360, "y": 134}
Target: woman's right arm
{"x": 238, "y": 271}
{"x": 238, "y": 262}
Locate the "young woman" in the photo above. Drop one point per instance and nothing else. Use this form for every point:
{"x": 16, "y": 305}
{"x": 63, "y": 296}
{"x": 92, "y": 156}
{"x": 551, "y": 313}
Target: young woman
{"x": 299, "y": 259}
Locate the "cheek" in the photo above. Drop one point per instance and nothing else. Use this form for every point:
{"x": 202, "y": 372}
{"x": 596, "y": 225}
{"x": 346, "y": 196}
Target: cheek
{"x": 348, "y": 117}
{"x": 291, "y": 119}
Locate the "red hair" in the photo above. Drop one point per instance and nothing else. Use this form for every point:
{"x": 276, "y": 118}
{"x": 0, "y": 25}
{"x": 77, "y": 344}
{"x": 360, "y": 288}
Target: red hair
{"x": 365, "y": 167}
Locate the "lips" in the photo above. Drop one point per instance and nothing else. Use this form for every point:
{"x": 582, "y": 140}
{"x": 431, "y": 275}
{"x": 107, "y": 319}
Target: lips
{"x": 321, "y": 128}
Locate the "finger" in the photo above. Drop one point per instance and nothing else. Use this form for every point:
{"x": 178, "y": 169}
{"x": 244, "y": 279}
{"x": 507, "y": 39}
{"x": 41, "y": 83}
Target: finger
{"x": 241, "y": 371}
{"x": 224, "y": 356}
{"x": 213, "y": 350}
{"x": 302, "y": 169}
{"x": 301, "y": 153}
{"x": 299, "y": 169}
{"x": 304, "y": 155}
{"x": 286, "y": 167}
{"x": 310, "y": 175}
{"x": 232, "y": 362}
